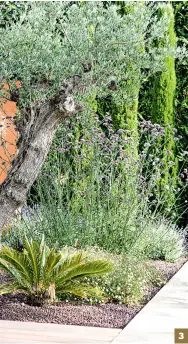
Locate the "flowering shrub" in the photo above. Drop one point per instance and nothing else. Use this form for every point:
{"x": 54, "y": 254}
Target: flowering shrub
{"x": 127, "y": 283}
{"x": 99, "y": 194}
{"x": 96, "y": 163}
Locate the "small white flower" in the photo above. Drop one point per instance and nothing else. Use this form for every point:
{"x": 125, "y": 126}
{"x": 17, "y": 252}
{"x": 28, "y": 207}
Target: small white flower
{"x": 166, "y": 187}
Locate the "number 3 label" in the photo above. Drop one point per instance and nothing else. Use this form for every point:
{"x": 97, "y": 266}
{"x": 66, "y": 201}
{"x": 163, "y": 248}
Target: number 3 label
{"x": 181, "y": 335}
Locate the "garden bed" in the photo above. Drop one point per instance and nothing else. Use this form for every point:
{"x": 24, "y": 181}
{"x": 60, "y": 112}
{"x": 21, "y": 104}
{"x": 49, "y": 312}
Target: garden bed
{"x": 13, "y": 307}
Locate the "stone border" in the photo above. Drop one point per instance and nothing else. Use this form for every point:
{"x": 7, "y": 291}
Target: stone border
{"x": 17, "y": 332}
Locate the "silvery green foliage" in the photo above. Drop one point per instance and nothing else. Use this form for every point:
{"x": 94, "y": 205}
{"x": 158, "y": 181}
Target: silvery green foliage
{"x": 52, "y": 40}
{"x": 161, "y": 239}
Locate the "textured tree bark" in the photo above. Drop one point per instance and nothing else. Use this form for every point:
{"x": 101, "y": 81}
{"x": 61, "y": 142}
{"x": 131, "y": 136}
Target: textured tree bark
{"x": 36, "y": 129}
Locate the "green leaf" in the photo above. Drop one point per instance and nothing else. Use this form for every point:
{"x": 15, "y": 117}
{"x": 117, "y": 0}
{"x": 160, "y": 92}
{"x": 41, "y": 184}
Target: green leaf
{"x": 36, "y": 268}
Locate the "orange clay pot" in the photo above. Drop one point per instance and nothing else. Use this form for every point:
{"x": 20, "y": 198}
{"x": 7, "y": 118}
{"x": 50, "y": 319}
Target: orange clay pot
{"x": 8, "y": 134}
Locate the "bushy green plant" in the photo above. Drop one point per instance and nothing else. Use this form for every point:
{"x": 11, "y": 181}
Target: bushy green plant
{"x": 10, "y": 12}
{"x": 161, "y": 239}
{"x": 109, "y": 230}
{"x": 155, "y": 237}
{"x": 104, "y": 213}
{"x": 128, "y": 282}
{"x": 42, "y": 274}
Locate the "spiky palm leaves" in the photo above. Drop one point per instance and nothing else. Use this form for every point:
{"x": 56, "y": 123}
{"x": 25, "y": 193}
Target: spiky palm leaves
{"x": 42, "y": 274}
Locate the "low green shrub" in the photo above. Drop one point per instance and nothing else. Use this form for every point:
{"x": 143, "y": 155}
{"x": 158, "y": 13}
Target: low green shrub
{"x": 43, "y": 275}
{"x": 127, "y": 283}
{"x": 153, "y": 237}
{"x": 108, "y": 229}
{"x": 161, "y": 239}
{"x": 130, "y": 279}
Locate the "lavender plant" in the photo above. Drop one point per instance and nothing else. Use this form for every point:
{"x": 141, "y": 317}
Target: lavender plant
{"x": 108, "y": 197}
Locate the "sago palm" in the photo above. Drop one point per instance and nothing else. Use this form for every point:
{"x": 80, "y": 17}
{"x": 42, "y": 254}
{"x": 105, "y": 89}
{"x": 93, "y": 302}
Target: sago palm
{"x": 43, "y": 275}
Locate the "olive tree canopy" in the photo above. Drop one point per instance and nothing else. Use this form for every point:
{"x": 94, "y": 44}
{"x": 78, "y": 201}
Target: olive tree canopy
{"x": 61, "y": 52}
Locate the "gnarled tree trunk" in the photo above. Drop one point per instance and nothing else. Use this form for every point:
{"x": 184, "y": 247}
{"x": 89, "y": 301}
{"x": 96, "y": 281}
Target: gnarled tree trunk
{"x": 36, "y": 128}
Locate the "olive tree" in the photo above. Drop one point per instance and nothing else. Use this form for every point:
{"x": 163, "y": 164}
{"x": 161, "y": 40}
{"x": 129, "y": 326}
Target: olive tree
{"x": 62, "y": 52}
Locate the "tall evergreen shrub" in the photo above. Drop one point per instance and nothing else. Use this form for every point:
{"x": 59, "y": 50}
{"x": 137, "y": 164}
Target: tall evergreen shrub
{"x": 162, "y": 110}
{"x": 181, "y": 104}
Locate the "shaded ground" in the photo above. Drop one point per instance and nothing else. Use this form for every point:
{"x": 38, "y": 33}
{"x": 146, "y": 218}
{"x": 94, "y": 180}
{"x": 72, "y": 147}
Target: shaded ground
{"x": 13, "y": 307}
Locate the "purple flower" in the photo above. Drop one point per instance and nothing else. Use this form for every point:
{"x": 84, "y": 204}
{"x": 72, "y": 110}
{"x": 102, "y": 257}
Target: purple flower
{"x": 108, "y": 118}
{"x": 110, "y": 130}
{"x": 120, "y": 131}
{"x": 60, "y": 149}
{"x": 102, "y": 135}
{"x": 143, "y": 155}
{"x": 168, "y": 152}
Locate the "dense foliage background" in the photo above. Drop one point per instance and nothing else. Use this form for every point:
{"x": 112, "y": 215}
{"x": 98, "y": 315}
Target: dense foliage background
{"x": 114, "y": 182}
{"x": 181, "y": 100}
{"x": 161, "y": 98}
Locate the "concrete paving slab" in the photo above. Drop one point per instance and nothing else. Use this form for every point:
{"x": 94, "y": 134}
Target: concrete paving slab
{"x": 42, "y": 333}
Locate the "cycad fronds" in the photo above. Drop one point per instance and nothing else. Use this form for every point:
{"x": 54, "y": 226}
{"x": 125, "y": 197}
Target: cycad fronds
{"x": 42, "y": 273}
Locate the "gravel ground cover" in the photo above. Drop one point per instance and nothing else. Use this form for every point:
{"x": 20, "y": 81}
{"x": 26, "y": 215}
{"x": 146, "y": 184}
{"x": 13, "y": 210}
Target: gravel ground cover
{"x": 14, "y": 307}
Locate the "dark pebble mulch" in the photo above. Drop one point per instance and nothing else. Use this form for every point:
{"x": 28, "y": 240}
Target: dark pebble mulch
{"x": 14, "y": 307}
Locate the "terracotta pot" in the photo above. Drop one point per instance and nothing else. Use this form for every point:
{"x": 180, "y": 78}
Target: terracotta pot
{"x": 8, "y": 133}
